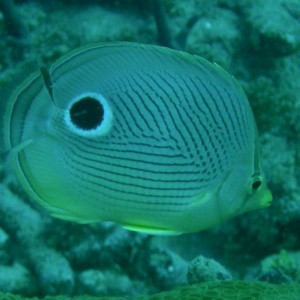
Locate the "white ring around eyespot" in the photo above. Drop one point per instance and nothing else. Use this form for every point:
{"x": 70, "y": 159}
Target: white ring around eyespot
{"x": 100, "y": 130}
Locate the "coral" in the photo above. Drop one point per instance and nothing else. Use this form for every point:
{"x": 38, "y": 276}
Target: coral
{"x": 258, "y": 42}
{"x": 203, "y": 269}
{"x": 25, "y": 225}
{"x": 288, "y": 263}
{"x": 231, "y": 290}
{"x": 274, "y": 276}
{"x": 13, "y": 20}
{"x": 168, "y": 267}
{"x": 4, "y": 240}
{"x": 17, "y": 279}
{"x": 77, "y": 258}
{"x": 163, "y": 31}
{"x": 15, "y": 28}
{"x": 95, "y": 282}
{"x": 216, "y": 36}
{"x": 271, "y": 38}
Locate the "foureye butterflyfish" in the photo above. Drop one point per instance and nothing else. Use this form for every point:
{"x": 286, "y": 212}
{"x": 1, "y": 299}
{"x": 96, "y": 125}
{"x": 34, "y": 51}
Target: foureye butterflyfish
{"x": 157, "y": 140}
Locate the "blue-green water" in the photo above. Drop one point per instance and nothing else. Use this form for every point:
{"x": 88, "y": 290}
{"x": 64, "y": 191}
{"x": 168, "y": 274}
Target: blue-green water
{"x": 256, "y": 41}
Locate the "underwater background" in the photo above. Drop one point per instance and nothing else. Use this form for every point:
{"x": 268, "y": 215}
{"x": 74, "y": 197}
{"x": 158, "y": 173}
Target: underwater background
{"x": 256, "y": 254}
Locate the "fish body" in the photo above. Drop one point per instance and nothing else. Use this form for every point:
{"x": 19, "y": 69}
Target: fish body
{"x": 157, "y": 140}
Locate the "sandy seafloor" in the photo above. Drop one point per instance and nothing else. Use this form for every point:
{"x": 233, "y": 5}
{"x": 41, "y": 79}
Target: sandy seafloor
{"x": 258, "y": 42}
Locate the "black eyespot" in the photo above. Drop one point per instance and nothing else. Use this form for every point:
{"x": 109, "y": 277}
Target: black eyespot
{"x": 87, "y": 113}
{"x": 256, "y": 184}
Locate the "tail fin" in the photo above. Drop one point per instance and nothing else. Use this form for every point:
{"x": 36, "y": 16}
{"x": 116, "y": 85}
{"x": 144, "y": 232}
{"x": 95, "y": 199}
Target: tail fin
{"x": 24, "y": 108}
{"x": 8, "y": 85}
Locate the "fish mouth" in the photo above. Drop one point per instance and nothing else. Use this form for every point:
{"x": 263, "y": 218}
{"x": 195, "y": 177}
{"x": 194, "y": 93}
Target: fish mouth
{"x": 255, "y": 202}
{"x": 266, "y": 199}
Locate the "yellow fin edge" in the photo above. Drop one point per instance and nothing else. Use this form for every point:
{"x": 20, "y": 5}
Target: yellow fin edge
{"x": 151, "y": 230}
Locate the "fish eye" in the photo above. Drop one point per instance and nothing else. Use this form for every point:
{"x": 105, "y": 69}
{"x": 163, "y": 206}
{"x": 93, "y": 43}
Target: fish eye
{"x": 256, "y": 184}
{"x": 89, "y": 115}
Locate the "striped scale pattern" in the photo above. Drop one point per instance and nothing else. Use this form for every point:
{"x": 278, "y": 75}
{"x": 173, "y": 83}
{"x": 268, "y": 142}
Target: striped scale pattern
{"x": 175, "y": 132}
{"x": 179, "y": 125}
